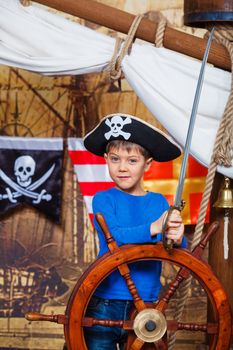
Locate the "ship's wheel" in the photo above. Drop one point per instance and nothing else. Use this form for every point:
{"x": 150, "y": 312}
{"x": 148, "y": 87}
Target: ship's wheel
{"x": 148, "y": 325}
{"x": 16, "y": 129}
{"x": 27, "y": 105}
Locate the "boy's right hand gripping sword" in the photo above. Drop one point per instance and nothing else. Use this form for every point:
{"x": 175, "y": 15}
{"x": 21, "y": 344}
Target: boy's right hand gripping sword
{"x": 179, "y": 203}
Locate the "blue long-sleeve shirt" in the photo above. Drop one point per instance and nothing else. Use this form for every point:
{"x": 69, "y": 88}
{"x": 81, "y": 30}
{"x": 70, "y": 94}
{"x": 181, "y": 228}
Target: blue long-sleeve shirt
{"x": 129, "y": 218}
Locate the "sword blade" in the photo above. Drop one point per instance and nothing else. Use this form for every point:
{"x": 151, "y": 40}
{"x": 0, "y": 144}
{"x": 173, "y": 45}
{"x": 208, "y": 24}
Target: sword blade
{"x": 180, "y": 186}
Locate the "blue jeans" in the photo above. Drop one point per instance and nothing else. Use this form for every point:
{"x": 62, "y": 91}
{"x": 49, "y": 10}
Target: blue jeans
{"x": 106, "y": 338}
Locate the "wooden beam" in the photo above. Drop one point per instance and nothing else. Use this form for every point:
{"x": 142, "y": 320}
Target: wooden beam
{"x": 120, "y": 21}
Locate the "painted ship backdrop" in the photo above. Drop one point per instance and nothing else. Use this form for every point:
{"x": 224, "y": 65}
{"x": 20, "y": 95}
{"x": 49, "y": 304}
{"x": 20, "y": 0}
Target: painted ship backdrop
{"x": 40, "y": 260}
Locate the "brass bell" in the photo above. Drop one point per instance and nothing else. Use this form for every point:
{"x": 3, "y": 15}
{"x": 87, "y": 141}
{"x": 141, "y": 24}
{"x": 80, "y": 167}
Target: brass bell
{"x": 225, "y": 198}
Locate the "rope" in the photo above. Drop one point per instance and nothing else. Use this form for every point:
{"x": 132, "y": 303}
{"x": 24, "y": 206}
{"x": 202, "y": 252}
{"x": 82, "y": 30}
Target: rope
{"x": 223, "y": 152}
{"x": 114, "y": 66}
{"x": 114, "y": 71}
{"x": 159, "y": 36}
{"x": 221, "y": 155}
{"x": 25, "y": 2}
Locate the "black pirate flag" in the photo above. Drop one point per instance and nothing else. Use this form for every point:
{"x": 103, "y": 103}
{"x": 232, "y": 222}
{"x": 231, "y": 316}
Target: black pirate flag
{"x": 30, "y": 173}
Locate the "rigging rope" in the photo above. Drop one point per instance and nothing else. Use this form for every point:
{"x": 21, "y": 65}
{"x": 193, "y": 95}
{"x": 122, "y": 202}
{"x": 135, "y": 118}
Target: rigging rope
{"x": 119, "y": 53}
{"x": 25, "y": 2}
{"x": 160, "y": 31}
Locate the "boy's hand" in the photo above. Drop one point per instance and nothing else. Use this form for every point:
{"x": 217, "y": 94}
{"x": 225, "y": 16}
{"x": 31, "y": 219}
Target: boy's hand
{"x": 175, "y": 226}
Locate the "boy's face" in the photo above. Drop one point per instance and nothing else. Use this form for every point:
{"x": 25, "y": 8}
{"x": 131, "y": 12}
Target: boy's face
{"x": 127, "y": 168}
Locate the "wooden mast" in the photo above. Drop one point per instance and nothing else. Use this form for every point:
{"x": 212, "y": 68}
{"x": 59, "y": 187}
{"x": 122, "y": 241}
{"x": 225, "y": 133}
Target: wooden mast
{"x": 120, "y": 21}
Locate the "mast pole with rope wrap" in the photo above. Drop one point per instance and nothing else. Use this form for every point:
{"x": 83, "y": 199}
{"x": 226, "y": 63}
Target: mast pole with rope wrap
{"x": 179, "y": 203}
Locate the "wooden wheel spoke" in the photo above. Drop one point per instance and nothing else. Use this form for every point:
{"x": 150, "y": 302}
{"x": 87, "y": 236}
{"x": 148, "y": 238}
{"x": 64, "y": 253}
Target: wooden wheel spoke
{"x": 137, "y": 344}
{"x": 123, "y": 268}
{"x": 161, "y": 345}
{"x": 182, "y": 274}
{"x": 125, "y": 273}
{"x": 91, "y": 322}
{"x": 210, "y": 328}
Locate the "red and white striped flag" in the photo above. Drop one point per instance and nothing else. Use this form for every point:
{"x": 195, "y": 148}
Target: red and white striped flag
{"x": 93, "y": 176}
{"x": 91, "y": 170}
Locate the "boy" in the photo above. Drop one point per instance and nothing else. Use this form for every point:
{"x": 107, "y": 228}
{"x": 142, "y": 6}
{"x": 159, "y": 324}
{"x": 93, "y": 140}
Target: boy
{"x": 133, "y": 215}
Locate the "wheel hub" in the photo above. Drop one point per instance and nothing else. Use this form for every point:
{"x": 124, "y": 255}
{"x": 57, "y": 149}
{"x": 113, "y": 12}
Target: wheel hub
{"x": 150, "y": 325}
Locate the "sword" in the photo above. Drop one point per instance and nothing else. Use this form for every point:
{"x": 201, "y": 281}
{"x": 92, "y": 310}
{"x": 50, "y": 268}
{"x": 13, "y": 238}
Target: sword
{"x": 179, "y": 203}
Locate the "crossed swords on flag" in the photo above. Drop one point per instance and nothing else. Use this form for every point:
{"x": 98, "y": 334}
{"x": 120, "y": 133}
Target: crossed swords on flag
{"x": 28, "y": 191}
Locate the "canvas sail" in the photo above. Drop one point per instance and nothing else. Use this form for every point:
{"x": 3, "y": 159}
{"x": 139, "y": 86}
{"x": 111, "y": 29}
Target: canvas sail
{"x": 163, "y": 79}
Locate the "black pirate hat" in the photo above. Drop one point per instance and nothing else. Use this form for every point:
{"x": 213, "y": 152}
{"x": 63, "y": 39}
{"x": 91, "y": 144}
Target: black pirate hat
{"x": 119, "y": 126}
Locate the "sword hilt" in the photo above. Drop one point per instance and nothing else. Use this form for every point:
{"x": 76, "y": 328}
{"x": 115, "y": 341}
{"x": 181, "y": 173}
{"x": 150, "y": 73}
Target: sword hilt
{"x": 168, "y": 243}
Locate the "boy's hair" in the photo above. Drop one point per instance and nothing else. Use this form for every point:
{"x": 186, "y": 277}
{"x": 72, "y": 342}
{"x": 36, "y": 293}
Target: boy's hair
{"x": 128, "y": 146}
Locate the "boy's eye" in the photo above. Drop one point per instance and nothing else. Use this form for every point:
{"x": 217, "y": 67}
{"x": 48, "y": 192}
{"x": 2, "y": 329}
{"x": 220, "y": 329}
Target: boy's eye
{"x": 132, "y": 161}
{"x": 114, "y": 159}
